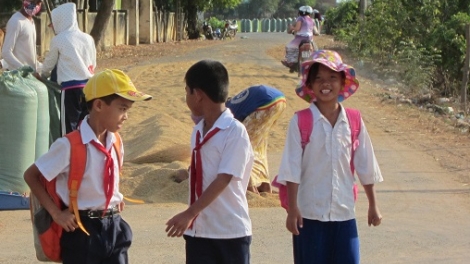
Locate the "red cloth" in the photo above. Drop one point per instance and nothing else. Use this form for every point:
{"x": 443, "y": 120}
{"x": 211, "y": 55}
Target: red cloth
{"x": 196, "y": 164}
{"x": 108, "y": 174}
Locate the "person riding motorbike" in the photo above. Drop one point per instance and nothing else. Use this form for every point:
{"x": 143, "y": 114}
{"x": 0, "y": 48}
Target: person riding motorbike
{"x": 318, "y": 19}
{"x": 303, "y": 30}
{"x": 230, "y": 29}
{"x": 207, "y": 30}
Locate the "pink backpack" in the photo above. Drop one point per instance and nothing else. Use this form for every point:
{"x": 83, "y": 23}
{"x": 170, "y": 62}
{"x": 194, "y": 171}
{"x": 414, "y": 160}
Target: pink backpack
{"x": 305, "y": 122}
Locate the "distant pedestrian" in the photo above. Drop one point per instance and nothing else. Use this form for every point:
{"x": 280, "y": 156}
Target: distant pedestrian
{"x": 74, "y": 54}
{"x": 19, "y": 46}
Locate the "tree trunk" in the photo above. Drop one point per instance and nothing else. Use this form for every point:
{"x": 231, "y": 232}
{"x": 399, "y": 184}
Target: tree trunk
{"x": 101, "y": 22}
{"x": 191, "y": 14}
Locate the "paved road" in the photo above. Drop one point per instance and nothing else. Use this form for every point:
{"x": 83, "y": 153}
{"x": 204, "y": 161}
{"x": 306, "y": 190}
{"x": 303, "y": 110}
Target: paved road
{"x": 426, "y": 213}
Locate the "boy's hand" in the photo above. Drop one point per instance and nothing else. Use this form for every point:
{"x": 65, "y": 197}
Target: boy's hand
{"x": 66, "y": 220}
{"x": 176, "y": 226}
{"x": 294, "y": 220}
{"x": 374, "y": 216}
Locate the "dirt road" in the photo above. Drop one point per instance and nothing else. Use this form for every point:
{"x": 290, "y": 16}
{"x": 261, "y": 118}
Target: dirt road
{"x": 425, "y": 203}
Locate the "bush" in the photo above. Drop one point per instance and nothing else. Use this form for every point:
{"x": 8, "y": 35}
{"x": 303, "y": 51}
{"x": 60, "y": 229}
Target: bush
{"x": 423, "y": 40}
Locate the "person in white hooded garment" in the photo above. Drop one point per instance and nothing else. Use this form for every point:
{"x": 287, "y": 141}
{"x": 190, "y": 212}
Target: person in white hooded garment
{"x": 74, "y": 53}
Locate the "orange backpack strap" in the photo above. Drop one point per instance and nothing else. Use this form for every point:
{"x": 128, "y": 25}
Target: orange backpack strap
{"x": 117, "y": 148}
{"x": 77, "y": 170}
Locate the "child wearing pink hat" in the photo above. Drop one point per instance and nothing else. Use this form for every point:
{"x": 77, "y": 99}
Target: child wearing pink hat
{"x": 320, "y": 176}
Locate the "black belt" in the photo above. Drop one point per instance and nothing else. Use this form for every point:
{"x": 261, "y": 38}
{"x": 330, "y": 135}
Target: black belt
{"x": 99, "y": 213}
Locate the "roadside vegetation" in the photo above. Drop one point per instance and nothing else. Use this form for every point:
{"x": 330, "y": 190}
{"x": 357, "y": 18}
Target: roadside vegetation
{"x": 420, "y": 41}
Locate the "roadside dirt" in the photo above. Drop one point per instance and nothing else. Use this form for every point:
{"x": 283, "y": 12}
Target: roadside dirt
{"x": 425, "y": 161}
{"x": 436, "y": 134}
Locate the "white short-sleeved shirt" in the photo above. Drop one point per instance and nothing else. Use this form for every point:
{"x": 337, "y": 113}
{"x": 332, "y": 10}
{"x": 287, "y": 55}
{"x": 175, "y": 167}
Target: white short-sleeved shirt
{"x": 323, "y": 172}
{"x": 229, "y": 151}
{"x": 56, "y": 163}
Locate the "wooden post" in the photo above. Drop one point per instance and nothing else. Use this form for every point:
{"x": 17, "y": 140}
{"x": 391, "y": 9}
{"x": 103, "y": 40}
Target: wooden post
{"x": 466, "y": 67}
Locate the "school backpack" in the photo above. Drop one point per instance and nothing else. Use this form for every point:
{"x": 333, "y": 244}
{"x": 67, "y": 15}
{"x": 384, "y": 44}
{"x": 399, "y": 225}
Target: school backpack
{"x": 305, "y": 123}
{"x": 47, "y": 233}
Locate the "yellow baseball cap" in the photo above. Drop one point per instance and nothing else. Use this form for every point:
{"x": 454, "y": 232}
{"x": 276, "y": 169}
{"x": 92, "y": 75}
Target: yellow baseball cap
{"x": 113, "y": 81}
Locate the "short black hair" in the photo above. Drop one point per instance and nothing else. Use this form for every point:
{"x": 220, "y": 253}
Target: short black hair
{"x": 313, "y": 72}
{"x": 211, "y": 77}
{"x": 108, "y": 99}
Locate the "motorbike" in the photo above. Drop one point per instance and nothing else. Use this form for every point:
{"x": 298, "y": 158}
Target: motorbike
{"x": 207, "y": 31}
{"x": 306, "y": 48}
{"x": 230, "y": 29}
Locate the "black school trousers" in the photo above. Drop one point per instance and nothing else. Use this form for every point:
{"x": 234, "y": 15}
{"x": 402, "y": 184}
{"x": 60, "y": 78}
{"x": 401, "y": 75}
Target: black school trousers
{"x": 109, "y": 241}
{"x": 217, "y": 251}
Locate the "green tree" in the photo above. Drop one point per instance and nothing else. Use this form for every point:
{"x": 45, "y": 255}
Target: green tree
{"x": 191, "y": 7}
{"x": 289, "y": 8}
{"x": 421, "y": 40}
{"x": 258, "y": 8}
{"x": 7, "y": 6}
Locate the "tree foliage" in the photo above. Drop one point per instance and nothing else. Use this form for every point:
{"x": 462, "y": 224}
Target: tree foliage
{"x": 272, "y": 8}
{"x": 7, "y": 6}
{"x": 191, "y": 7}
{"x": 423, "y": 39}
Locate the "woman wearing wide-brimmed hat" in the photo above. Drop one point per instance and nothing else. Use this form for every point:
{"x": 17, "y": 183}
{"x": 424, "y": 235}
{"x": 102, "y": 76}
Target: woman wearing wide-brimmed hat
{"x": 320, "y": 176}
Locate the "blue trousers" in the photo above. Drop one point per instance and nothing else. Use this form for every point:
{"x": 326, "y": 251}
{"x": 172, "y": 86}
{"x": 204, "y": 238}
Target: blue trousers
{"x": 326, "y": 243}
{"x": 108, "y": 243}
{"x": 217, "y": 251}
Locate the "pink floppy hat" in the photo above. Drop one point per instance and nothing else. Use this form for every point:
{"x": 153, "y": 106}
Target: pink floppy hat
{"x": 332, "y": 60}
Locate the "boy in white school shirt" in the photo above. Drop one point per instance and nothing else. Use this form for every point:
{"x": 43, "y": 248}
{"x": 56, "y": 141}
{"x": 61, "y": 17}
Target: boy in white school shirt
{"x": 109, "y": 95}
{"x": 216, "y": 225}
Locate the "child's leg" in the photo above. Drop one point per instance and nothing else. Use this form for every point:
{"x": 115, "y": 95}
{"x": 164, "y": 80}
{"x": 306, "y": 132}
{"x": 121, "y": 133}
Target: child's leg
{"x": 217, "y": 251}
{"x": 119, "y": 241}
{"x": 327, "y": 242}
{"x": 73, "y": 106}
{"x": 346, "y": 243}
{"x": 235, "y": 250}
{"x": 314, "y": 243}
{"x": 200, "y": 251}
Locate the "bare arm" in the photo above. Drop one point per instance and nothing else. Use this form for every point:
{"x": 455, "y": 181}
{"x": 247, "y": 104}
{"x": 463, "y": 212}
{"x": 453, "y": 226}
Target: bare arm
{"x": 63, "y": 218}
{"x": 374, "y": 216}
{"x": 294, "y": 28}
{"x": 177, "y": 225}
{"x": 294, "y": 218}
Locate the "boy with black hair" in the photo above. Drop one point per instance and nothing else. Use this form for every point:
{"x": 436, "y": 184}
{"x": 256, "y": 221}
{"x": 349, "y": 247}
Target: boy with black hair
{"x": 109, "y": 95}
{"x": 216, "y": 225}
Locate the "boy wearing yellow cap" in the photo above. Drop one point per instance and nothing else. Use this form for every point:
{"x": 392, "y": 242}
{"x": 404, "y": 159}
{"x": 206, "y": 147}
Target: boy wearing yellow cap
{"x": 109, "y": 95}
